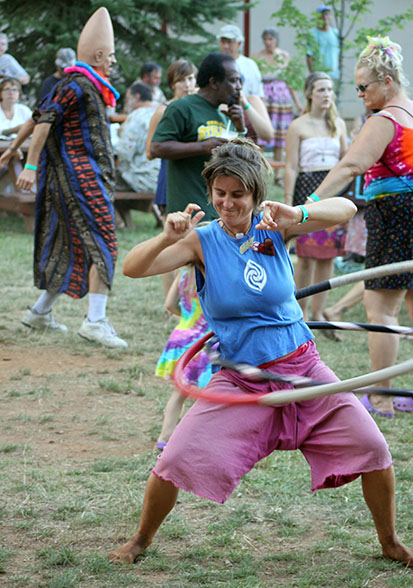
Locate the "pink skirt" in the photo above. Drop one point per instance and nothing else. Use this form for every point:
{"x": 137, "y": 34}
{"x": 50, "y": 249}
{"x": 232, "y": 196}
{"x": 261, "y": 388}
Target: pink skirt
{"x": 215, "y": 444}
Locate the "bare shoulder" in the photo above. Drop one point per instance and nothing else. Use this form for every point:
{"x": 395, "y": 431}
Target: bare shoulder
{"x": 298, "y": 126}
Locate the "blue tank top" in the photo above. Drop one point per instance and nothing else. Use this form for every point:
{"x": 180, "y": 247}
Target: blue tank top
{"x": 248, "y": 298}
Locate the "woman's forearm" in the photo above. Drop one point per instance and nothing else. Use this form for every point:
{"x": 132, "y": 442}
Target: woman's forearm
{"x": 257, "y": 114}
{"x": 37, "y": 142}
{"x": 141, "y": 261}
{"x": 336, "y": 180}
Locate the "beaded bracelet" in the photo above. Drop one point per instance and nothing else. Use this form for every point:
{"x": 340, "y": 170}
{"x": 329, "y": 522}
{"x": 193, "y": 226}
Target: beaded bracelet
{"x": 248, "y": 105}
{"x": 305, "y": 214}
{"x": 313, "y": 197}
{"x": 33, "y": 167}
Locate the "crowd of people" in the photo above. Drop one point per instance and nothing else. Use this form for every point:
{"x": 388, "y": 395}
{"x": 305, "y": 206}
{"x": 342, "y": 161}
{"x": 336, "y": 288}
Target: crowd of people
{"x": 202, "y": 153}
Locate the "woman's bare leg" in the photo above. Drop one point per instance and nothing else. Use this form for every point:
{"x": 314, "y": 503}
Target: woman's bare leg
{"x": 278, "y": 156}
{"x": 303, "y": 276}
{"x": 353, "y": 297}
{"x": 409, "y": 303}
{"x": 379, "y": 490}
{"x": 160, "y": 498}
{"x": 383, "y": 307}
{"x": 324, "y": 269}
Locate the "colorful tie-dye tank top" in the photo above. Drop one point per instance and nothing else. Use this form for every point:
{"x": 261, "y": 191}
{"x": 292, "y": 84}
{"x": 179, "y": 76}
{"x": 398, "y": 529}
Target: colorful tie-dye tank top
{"x": 398, "y": 156}
{"x": 192, "y": 326}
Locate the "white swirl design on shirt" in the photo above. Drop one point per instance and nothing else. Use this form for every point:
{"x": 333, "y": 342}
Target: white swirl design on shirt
{"x": 255, "y": 275}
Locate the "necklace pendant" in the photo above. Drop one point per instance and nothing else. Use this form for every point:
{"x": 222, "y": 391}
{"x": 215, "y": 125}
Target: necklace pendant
{"x": 246, "y": 245}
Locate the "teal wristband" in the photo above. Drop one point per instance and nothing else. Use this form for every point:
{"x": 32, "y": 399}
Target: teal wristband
{"x": 313, "y": 197}
{"x": 242, "y": 133}
{"x": 33, "y": 167}
{"x": 305, "y": 214}
{"x": 248, "y": 105}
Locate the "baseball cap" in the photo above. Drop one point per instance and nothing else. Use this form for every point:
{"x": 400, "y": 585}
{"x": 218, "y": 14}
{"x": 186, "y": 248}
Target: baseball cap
{"x": 231, "y": 32}
{"x": 65, "y": 57}
{"x": 323, "y": 8}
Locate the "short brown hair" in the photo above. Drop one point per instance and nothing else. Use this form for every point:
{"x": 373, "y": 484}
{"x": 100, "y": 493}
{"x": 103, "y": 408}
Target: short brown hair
{"x": 178, "y": 70}
{"x": 14, "y": 82}
{"x": 242, "y": 159}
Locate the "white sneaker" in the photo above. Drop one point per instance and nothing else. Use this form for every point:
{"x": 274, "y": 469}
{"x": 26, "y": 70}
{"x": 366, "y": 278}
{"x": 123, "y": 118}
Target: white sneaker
{"x": 34, "y": 320}
{"x": 101, "y": 332}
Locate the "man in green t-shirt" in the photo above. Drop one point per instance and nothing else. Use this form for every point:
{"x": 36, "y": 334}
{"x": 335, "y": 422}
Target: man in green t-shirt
{"x": 192, "y": 126}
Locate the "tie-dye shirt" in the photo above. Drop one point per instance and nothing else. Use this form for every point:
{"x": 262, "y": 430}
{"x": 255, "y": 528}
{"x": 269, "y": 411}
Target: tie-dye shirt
{"x": 398, "y": 155}
{"x": 192, "y": 326}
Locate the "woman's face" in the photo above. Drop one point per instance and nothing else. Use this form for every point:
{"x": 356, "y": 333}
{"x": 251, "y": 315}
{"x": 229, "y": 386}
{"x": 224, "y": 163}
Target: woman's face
{"x": 185, "y": 86}
{"x": 10, "y": 93}
{"x": 270, "y": 43}
{"x": 322, "y": 95}
{"x": 233, "y": 202}
{"x": 371, "y": 90}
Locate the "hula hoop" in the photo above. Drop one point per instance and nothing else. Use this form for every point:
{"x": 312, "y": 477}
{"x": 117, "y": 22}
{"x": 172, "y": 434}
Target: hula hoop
{"x": 340, "y": 326}
{"x": 284, "y": 396}
{"x": 315, "y": 389}
{"x": 374, "y": 272}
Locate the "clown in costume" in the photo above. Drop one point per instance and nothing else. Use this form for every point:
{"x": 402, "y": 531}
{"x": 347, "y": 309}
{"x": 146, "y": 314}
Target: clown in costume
{"x": 70, "y": 151}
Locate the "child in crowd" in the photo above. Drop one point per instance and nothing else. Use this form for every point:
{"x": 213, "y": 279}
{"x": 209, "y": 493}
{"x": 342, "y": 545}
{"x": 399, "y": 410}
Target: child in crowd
{"x": 182, "y": 300}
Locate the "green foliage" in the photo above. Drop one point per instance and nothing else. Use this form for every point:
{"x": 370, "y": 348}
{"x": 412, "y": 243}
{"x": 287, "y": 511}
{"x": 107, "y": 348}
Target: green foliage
{"x": 37, "y": 29}
{"x": 347, "y": 18}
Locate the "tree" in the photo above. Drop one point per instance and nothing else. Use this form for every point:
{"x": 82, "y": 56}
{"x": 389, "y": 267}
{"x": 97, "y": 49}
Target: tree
{"x": 145, "y": 30}
{"x": 347, "y": 18}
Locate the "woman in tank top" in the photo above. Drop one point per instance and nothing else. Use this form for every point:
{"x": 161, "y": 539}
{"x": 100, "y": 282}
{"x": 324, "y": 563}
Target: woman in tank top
{"x": 383, "y": 151}
{"x": 246, "y": 289}
{"x": 315, "y": 143}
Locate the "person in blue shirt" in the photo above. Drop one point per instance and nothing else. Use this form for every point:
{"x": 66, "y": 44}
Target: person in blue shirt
{"x": 324, "y": 50}
{"x": 246, "y": 288}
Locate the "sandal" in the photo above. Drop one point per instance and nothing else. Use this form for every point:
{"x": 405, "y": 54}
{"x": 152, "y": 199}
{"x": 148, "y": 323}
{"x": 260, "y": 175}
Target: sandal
{"x": 370, "y": 408}
{"x": 402, "y": 403}
{"x": 161, "y": 445}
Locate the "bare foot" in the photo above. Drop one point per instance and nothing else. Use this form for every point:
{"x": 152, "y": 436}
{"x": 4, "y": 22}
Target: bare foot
{"x": 332, "y": 315}
{"x": 330, "y": 334}
{"x": 399, "y": 552}
{"x": 127, "y": 553}
{"x": 383, "y": 403}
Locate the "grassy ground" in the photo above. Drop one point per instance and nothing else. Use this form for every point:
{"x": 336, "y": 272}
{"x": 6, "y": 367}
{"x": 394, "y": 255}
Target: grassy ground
{"x": 77, "y": 445}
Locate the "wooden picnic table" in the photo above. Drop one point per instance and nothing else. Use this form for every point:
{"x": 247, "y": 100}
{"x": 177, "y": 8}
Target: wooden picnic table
{"x": 11, "y": 198}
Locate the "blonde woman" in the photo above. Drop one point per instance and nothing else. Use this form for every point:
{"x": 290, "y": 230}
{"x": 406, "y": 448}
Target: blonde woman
{"x": 383, "y": 151}
{"x": 315, "y": 143}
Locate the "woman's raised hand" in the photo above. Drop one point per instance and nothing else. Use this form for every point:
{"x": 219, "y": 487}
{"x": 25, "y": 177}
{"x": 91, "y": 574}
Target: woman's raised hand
{"x": 178, "y": 224}
{"x": 278, "y": 216}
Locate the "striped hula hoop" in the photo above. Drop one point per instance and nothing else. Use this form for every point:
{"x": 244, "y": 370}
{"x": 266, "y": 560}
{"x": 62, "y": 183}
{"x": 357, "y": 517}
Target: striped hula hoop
{"x": 368, "y": 274}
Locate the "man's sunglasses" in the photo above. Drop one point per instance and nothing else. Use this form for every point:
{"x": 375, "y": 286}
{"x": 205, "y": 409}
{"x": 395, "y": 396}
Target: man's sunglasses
{"x": 363, "y": 87}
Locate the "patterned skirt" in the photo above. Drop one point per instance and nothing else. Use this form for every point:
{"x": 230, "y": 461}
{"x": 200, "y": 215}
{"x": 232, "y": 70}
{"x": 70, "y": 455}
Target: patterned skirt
{"x": 389, "y": 223}
{"x": 280, "y": 110}
{"x": 325, "y": 244}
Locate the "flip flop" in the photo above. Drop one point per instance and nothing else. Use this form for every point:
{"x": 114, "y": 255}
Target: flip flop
{"x": 402, "y": 403}
{"x": 370, "y": 408}
{"x": 161, "y": 445}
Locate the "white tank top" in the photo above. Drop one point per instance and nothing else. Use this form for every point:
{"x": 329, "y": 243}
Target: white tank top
{"x": 319, "y": 153}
